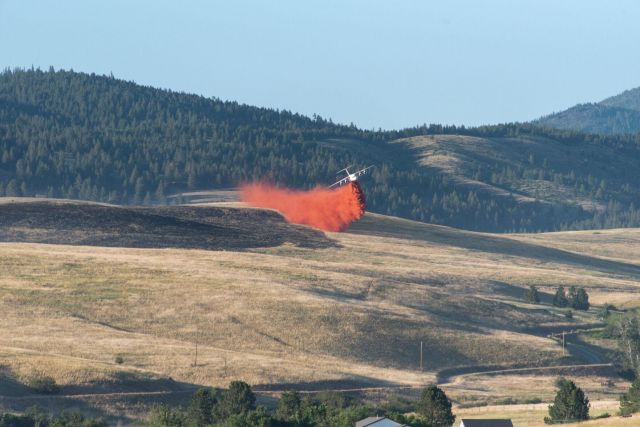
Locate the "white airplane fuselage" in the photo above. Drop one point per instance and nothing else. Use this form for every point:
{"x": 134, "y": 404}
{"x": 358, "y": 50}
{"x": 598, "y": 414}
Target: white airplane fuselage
{"x": 351, "y": 177}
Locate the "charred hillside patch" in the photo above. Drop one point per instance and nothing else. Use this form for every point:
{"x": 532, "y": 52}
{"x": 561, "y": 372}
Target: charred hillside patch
{"x": 185, "y": 227}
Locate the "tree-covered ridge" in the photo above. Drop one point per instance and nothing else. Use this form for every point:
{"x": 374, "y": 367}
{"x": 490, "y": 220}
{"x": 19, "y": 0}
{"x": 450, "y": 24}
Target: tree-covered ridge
{"x": 629, "y": 99}
{"x": 595, "y": 118}
{"x": 75, "y": 135}
{"x": 616, "y": 115}
{"x": 98, "y": 138}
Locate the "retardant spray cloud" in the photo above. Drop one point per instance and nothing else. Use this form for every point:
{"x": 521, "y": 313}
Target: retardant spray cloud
{"x": 329, "y": 210}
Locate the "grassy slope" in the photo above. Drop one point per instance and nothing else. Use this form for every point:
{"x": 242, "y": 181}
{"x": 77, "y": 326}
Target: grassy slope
{"x": 533, "y": 415}
{"x": 328, "y": 317}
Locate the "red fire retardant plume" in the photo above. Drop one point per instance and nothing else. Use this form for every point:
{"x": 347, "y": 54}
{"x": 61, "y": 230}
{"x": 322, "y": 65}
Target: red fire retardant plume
{"x": 329, "y": 210}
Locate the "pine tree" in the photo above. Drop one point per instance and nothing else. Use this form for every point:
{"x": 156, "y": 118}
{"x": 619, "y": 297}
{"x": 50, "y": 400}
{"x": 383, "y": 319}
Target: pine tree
{"x": 580, "y": 300}
{"x": 571, "y": 295}
{"x": 570, "y": 403}
{"x": 435, "y": 407}
{"x": 560, "y": 299}
{"x": 160, "y": 197}
{"x": 12, "y": 189}
{"x": 531, "y": 295}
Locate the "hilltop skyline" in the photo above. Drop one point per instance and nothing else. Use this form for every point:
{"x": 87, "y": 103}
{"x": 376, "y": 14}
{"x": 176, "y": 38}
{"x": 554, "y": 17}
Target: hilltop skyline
{"x": 388, "y": 67}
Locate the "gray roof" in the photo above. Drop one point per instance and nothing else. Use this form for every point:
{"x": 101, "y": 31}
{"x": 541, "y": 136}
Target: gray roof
{"x": 367, "y": 421}
{"x": 466, "y": 422}
{"x": 372, "y": 421}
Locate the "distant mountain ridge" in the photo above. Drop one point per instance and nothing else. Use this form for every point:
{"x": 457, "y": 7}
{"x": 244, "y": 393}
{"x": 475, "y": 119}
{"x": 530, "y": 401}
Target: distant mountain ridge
{"x": 629, "y": 99}
{"x": 619, "y": 114}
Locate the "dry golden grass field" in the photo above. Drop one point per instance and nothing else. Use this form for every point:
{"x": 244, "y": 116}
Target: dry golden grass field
{"x": 533, "y": 415}
{"x": 349, "y": 313}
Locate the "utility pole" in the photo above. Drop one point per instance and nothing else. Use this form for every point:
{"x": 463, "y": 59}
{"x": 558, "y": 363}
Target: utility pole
{"x": 421, "y": 359}
{"x": 195, "y": 360}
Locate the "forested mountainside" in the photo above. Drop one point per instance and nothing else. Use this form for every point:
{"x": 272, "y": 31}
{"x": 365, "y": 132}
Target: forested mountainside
{"x": 76, "y": 135}
{"x": 618, "y": 114}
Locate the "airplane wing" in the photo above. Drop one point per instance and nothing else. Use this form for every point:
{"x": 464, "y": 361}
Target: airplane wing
{"x": 339, "y": 183}
{"x": 363, "y": 171}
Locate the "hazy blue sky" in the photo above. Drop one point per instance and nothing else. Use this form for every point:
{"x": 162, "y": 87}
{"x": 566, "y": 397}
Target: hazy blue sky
{"x": 382, "y": 64}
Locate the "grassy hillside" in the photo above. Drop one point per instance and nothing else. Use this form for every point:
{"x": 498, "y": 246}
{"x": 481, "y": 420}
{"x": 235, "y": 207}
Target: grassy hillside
{"x": 79, "y": 136}
{"x": 350, "y": 314}
{"x": 546, "y": 178}
{"x": 532, "y": 415}
{"x": 618, "y": 114}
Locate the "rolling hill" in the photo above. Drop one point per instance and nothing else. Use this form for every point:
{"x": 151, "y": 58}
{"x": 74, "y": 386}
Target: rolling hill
{"x": 81, "y": 136}
{"x": 618, "y": 114}
{"x": 349, "y": 314}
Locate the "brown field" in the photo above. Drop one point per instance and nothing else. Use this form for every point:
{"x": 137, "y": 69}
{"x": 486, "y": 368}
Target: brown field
{"x": 348, "y": 314}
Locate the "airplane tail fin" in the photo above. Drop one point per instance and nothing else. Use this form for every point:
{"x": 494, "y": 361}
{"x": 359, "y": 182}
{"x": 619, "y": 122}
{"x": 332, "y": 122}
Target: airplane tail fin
{"x": 344, "y": 170}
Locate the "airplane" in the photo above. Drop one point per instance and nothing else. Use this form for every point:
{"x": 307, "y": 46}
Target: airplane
{"x": 351, "y": 177}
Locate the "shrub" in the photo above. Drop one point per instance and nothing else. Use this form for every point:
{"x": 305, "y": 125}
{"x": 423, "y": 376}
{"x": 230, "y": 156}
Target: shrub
{"x": 164, "y": 416}
{"x": 238, "y": 398}
{"x": 255, "y": 418}
{"x": 568, "y": 314}
{"x": 473, "y": 404}
{"x": 560, "y": 299}
{"x": 40, "y": 416}
{"x": 605, "y": 415}
{"x": 201, "y": 407}
{"x": 119, "y": 360}
{"x": 11, "y": 420}
{"x": 630, "y": 401}
{"x": 399, "y": 404}
{"x": 289, "y": 405}
{"x": 531, "y": 295}
{"x": 507, "y": 401}
{"x": 76, "y": 419}
{"x": 43, "y": 384}
{"x": 334, "y": 399}
{"x": 605, "y": 311}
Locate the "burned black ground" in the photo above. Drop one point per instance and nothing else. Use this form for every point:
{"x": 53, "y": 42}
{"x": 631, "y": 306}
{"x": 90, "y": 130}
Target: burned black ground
{"x": 184, "y": 227}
